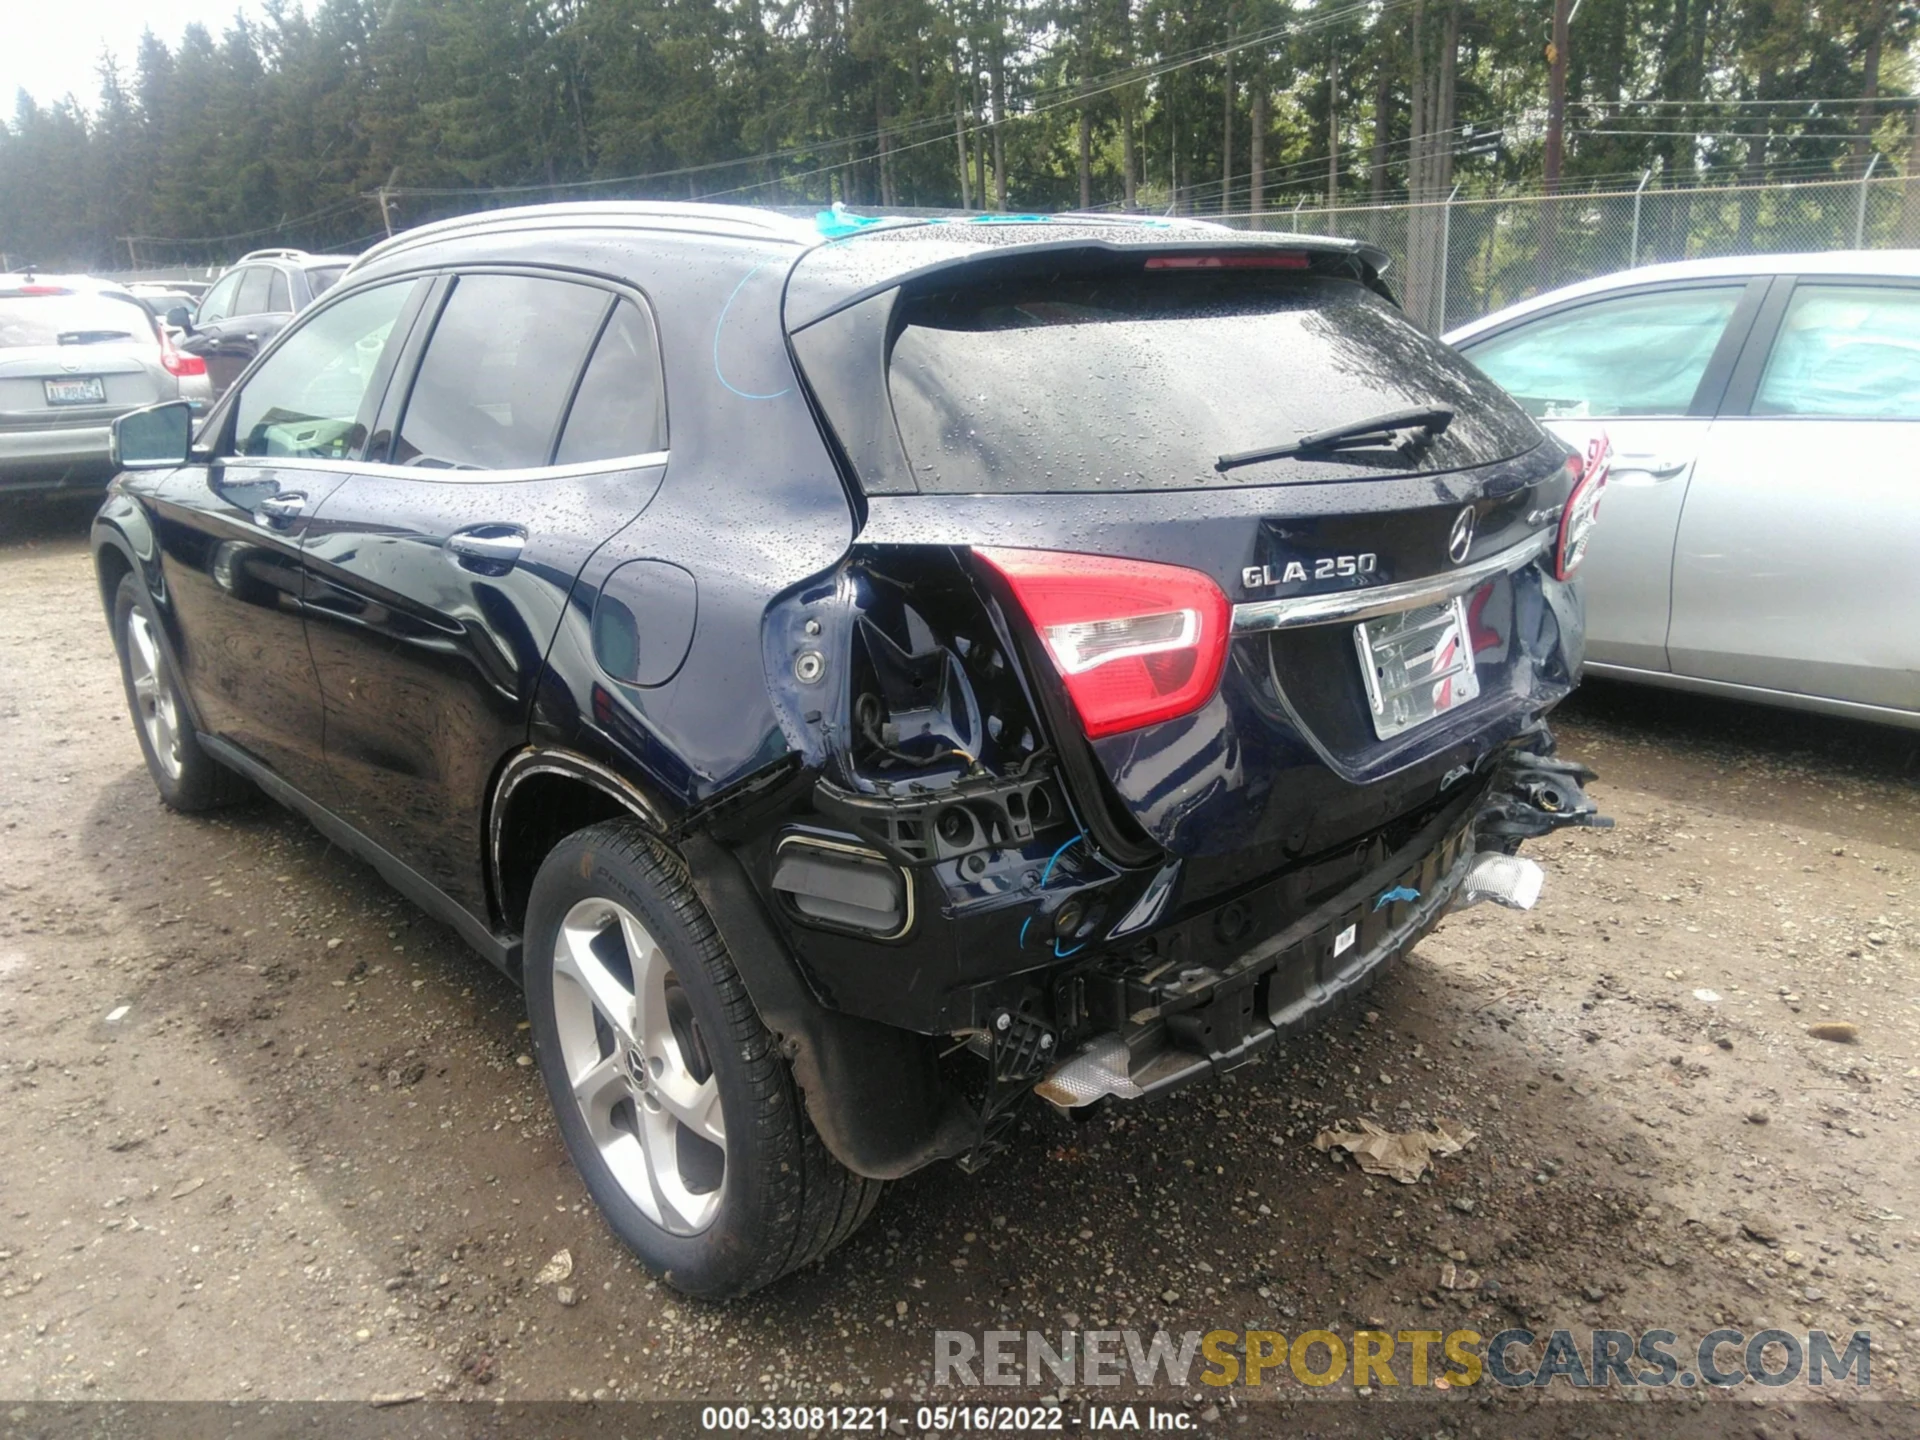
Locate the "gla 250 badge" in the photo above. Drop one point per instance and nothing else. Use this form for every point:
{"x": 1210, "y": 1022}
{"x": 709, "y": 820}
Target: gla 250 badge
{"x": 1327, "y": 567}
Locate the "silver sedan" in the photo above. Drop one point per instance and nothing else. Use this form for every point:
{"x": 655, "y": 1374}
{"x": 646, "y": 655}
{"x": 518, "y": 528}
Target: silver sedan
{"x": 1760, "y": 537}
{"x": 74, "y": 353}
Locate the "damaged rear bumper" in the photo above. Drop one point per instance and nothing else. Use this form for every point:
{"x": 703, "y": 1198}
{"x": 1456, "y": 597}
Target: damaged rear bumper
{"x": 1183, "y": 1022}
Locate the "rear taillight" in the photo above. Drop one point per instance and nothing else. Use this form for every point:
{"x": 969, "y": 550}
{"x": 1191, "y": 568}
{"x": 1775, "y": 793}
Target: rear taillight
{"x": 176, "y": 361}
{"x": 1134, "y": 643}
{"x": 1583, "y": 507}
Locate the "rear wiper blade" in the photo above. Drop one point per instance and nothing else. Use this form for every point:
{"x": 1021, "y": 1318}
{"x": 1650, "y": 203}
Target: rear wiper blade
{"x": 92, "y": 337}
{"x": 1388, "y": 430}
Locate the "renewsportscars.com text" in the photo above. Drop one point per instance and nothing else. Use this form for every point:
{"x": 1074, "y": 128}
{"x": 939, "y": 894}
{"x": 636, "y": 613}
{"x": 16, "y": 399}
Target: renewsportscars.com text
{"x": 1419, "y": 1358}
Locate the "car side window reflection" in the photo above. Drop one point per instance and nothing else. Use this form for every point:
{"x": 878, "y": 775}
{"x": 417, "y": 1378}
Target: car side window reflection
{"x": 1631, "y": 355}
{"x": 1846, "y": 350}
{"x": 504, "y": 357}
{"x": 306, "y": 398}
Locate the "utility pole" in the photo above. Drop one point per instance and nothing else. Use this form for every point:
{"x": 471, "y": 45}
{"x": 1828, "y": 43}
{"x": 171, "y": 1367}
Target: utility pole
{"x": 386, "y": 215}
{"x": 1226, "y": 146}
{"x": 1557, "y": 93}
{"x": 1556, "y": 140}
{"x": 1333, "y": 131}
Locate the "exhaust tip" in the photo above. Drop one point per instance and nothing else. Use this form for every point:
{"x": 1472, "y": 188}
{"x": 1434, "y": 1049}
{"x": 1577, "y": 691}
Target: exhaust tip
{"x": 1506, "y": 880}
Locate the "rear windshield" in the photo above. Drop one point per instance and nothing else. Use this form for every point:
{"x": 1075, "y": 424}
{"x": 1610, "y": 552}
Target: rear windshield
{"x": 27, "y": 320}
{"x": 323, "y": 278}
{"x": 1141, "y": 380}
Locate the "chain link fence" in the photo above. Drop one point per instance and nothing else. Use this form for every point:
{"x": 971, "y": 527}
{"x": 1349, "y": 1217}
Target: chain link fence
{"x": 1456, "y": 260}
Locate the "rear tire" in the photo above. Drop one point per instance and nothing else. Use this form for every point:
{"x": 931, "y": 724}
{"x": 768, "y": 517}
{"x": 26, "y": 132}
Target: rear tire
{"x": 188, "y": 778}
{"x": 673, "y": 1100}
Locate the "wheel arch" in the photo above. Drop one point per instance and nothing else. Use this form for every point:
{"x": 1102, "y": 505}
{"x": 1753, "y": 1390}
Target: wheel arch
{"x": 112, "y": 563}
{"x": 540, "y": 797}
{"x": 873, "y": 1092}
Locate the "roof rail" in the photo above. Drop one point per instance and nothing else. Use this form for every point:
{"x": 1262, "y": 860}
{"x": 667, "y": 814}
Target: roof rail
{"x": 281, "y": 254}
{"x": 663, "y": 213}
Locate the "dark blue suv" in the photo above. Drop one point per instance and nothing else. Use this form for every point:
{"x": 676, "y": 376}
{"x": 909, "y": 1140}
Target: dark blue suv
{"x": 859, "y": 674}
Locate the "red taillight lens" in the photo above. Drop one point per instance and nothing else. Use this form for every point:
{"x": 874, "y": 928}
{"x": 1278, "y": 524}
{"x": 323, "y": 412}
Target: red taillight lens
{"x": 176, "y": 361}
{"x": 1583, "y": 507}
{"x": 1135, "y": 643}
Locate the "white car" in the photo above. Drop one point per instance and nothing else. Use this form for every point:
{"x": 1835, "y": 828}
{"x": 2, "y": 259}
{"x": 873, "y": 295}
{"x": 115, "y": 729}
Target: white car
{"x": 1760, "y": 537}
{"x": 75, "y": 353}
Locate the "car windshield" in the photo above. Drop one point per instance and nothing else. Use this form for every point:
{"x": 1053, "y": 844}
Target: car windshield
{"x": 33, "y": 320}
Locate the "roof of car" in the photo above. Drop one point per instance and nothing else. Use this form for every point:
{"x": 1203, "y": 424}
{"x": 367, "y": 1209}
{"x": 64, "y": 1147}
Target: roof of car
{"x": 292, "y": 257}
{"x": 32, "y": 284}
{"x": 861, "y": 250}
{"x": 1904, "y": 264}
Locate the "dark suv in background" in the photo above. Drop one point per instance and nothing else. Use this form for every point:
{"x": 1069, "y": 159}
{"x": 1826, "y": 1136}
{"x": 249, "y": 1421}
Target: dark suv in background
{"x": 859, "y": 675}
{"x": 250, "y": 304}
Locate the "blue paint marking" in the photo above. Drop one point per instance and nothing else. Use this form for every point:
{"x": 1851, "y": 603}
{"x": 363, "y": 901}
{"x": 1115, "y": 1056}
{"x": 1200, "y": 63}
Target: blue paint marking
{"x": 1399, "y": 892}
{"x": 839, "y": 221}
{"x": 721, "y": 324}
{"x": 1047, "y": 874}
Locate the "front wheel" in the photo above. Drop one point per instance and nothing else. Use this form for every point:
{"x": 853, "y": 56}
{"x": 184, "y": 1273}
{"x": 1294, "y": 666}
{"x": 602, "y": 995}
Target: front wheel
{"x": 671, "y": 1096}
{"x": 187, "y": 777}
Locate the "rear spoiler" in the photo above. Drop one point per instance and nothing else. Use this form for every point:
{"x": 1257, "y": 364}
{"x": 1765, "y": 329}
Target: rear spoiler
{"x": 846, "y": 270}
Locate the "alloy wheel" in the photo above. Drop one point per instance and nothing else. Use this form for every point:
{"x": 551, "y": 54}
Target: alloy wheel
{"x": 153, "y": 693}
{"x": 638, "y": 1066}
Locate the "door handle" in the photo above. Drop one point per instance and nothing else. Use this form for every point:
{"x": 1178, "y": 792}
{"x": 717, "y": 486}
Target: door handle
{"x": 283, "y": 507}
{"x": 252, "y": 335}
{"x": 486, "y": 547}
{"x": 1656, "y": 467}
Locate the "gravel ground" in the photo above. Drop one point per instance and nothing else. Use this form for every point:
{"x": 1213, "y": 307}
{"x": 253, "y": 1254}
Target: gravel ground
{"x": 267, "y": 1132}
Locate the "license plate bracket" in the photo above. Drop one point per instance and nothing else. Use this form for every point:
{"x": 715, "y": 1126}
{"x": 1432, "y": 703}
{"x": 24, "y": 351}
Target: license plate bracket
{"x": 1416, "y": 665}
{"x": 80, "y": 390}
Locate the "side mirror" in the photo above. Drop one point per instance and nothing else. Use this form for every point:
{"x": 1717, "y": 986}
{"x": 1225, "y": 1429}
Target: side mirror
{"x": 156, "y": 438}
{"x": 180, "y": 318}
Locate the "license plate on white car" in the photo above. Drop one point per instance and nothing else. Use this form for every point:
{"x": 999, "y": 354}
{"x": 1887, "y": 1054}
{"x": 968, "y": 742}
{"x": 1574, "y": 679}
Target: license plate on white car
{"x": 1417, "y": 664}
{"x": 82, "y": 390}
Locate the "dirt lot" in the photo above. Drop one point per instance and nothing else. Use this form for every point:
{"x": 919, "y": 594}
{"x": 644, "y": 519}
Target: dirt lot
{"x": 266, "y": 1132}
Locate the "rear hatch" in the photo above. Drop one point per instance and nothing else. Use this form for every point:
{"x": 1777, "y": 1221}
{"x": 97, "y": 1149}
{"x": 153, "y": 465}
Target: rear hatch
{"x": 74, "y": 359}
{"x": 1382, "y": 621}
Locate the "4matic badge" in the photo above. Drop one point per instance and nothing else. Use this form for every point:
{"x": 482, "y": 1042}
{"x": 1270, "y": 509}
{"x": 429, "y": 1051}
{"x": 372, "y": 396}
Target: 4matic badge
{"x": 1327, "y": 567}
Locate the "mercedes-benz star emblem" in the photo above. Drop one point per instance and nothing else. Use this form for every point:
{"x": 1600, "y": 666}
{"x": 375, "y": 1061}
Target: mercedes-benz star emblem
{"x": 1461, "y": 540}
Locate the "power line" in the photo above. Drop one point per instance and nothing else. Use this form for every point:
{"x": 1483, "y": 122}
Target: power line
{"x": 944, "y": 128}
{"x": 1855, "y": 100}
{"x": 334, "y": 209}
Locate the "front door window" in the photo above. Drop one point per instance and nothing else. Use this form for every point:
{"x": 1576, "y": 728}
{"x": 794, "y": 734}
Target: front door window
{"x": 310, "y": 398}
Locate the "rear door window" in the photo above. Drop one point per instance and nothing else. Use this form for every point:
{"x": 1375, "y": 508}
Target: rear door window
{"x": 277, "y": 301}
{"x": 1631, "y": 355}
{"x": 1140, "y": 379}
{"x": 256, "y": 283}
{"x": 1846, "y": 350}
{"x": 619, "y": 409}
{"x": 505, "y": 356}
